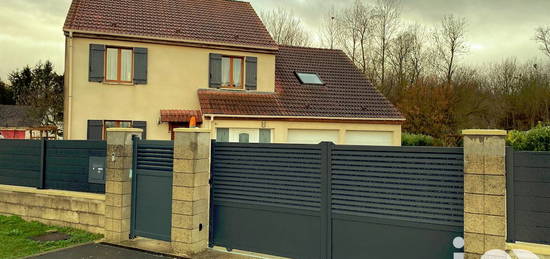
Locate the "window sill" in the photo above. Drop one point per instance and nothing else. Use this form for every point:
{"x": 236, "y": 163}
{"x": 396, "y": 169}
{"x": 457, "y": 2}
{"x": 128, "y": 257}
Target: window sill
{"x": 232, "y": 88}
{"x": 117, "y": 83}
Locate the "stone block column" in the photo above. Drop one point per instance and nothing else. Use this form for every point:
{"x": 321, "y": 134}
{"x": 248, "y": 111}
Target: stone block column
{"x": 484, "y": 191}
{"x": 118, "y": 184}
{"x": 190, "y": 191}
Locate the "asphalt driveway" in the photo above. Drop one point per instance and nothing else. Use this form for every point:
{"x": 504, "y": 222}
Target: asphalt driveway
{"x": 103, "y": 251}
{"x": 98, "y": 251}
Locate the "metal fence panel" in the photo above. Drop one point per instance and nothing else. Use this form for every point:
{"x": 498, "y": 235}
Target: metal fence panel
{"x": 266, "y": 198}
{"x": 67, "y": 165}
{"x": 20, "y": 162}
{"x": 396, "y": 202}
{"x": 329, "y": 201}
{"x": 528, "y": 189}
{"x": 399, "y": 183}
{"x": 53, "y": 164}
{"x": 152, "y": 189}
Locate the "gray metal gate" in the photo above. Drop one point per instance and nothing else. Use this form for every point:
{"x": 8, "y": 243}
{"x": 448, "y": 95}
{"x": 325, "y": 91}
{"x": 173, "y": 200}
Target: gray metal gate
{"x": 152, "y": 189}
{"x": 528, "y": 196}
{"x": 329, "y": 201}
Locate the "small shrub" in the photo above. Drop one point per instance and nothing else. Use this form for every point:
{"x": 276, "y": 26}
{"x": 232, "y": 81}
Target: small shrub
{"x": 417, "y": 140}
{"x": 535, "y": 139}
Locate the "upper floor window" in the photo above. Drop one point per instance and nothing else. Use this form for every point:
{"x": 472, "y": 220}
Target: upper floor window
{"x": 232, "y": 72}
{"x": 119, "y": 65}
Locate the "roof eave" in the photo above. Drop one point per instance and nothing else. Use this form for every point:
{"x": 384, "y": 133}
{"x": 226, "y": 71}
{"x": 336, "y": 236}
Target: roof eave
{"x": 99, "y": 34}
{"x": 302, "y": 117}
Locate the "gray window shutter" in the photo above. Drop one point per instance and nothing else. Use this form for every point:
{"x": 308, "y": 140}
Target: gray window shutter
{"x": 222, "y": 135}
{"x": 251, "y": 73}
{"x": 96, "y": 63}
{"x": 265, "y": 135}
{"x": 141, "y": 125}
{"x": 140, "y": 66}
{"x": 215, "y": 71}
{"x": 95, "y": 130}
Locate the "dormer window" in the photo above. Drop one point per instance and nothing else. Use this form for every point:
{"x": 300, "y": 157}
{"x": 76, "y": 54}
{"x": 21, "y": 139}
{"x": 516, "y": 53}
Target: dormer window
{"x": 309, "y": 78}
{"x": 232, "y": 72}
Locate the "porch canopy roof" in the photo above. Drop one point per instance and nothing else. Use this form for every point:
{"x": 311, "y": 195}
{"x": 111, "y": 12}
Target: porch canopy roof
{"x": 180, "y": 115}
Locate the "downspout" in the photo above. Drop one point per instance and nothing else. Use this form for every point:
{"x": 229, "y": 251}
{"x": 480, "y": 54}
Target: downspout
{"x": 211, "y": 126}
{"x": 69, "y": 114}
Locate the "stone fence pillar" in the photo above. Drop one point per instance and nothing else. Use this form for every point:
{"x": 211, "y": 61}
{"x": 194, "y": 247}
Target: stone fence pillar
{"x": 484, "y": 191}
{"x": 118, "y": 184}
{"x": 191, "y": 190}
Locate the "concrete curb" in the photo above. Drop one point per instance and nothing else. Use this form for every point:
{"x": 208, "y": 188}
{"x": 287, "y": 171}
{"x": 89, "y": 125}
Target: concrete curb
{"x": 144, "y": 250}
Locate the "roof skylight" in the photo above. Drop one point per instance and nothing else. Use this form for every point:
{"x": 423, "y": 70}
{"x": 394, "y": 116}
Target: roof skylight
{"x": 309, "y": 78}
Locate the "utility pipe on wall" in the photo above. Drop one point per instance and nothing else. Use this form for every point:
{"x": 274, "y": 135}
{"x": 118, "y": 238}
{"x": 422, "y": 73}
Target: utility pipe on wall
{"x": 68, "y": 125}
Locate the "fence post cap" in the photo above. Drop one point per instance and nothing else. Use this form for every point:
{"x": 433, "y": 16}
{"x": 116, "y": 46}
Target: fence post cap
{"x": 192, "y": 130}
{"x": 484, "y": 132}
{"x": 124, "y": 130}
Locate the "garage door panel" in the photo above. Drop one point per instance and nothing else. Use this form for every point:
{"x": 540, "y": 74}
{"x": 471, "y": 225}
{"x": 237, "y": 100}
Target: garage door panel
{"x": 307, "y": 136}
{"x": 372, "y": 138}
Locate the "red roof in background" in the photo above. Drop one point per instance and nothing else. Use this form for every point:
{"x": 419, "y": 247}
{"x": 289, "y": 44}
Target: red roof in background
{"x": 179, "y": 115}
{"x": 347, "y": 93}
{"x": 220, "y": 21}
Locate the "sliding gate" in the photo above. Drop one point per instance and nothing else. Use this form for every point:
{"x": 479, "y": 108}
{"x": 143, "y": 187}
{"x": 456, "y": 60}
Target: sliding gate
{"x": 329, "y": 201}
{"x": 152, "y": 189}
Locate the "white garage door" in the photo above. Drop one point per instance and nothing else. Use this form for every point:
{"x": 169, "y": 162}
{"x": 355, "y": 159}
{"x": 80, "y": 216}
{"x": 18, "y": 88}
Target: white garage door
{"x": 372, "y": 138}
{"x": 303, "y": 136}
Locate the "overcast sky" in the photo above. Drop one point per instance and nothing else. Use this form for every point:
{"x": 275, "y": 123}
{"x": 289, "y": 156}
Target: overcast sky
{"x": 31, "y": 30}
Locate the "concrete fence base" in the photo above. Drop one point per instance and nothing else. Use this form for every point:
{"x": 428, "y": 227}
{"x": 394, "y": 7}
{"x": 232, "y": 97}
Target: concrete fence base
{"x": 53, "y": 207}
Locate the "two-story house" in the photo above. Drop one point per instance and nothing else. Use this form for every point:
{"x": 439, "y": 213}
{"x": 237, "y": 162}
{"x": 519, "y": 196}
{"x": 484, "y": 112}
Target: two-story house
{"x": 160, "y": 65}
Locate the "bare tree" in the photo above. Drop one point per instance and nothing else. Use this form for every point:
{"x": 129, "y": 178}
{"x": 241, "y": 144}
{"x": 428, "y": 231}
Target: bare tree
{"x": 502, "y": 77}
{"x": 542, "y": 37}
{"x": 400, "y": 52}
{"x": 285, "y": 28}
{"x": 420, "y": 54}
{"x": 450, "y": 44}
{"x": 330, "y": 29}
{"x": 364, "y": 30}
{"x": 348, "y": 23}
{"x": 356, "y": 24}
{"x": 387, "y": 14}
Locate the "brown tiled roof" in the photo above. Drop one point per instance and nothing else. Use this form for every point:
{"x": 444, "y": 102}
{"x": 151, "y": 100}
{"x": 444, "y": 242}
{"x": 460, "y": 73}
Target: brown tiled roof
{"x": 180, "y": 115}
{"x": 217, "y": 21}
{"x": 347, "y": 93}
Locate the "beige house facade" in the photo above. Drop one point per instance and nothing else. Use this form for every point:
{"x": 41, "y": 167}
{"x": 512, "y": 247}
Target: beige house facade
{"x": 236, "y": 81}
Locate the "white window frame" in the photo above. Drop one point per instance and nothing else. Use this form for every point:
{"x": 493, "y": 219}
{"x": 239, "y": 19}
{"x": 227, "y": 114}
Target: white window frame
{"x": 253, "y": 134}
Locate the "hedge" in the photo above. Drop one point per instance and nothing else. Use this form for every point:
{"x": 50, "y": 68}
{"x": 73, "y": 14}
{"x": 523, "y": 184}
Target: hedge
{"x": 417, "y": 140}
{"x": 535, "y": 139}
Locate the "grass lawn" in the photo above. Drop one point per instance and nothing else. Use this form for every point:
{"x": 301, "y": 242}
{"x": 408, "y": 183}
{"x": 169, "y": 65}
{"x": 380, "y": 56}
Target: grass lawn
{"x": 15, "y": 233}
